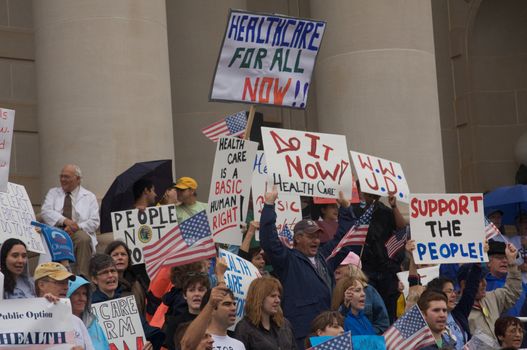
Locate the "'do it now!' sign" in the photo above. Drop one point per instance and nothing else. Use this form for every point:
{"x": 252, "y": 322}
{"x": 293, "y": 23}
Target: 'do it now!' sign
{"x": 448, "y": 228}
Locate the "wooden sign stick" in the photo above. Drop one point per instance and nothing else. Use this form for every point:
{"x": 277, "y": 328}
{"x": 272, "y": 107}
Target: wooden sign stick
{"x": 250, "y": 119}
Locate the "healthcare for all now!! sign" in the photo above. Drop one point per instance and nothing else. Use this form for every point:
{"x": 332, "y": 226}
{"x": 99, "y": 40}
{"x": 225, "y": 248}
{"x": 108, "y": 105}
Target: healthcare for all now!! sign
{"x": 267, "y": 59}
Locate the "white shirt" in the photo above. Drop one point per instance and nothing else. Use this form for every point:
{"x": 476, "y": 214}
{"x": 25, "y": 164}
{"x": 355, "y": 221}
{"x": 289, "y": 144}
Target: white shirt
{"x": 85, "y": 209}
{"x": 224, "y": 342}
{"x": 82, "y": 337}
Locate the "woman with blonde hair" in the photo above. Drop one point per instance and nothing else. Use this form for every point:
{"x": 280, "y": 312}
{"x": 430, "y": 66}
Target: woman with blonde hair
{"x": 374, "y": 307}
{"x": 264, "y": 327}
{"x": 349, "y": 297}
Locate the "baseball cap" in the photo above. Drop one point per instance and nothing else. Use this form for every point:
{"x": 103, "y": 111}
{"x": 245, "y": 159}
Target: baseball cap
{"x": 352, "y": 259}
{"x": 53, "y": 270}
{"x": 186, "y": 182}
{"x": 306, "y": 226}
{"x": 496, "y": 247}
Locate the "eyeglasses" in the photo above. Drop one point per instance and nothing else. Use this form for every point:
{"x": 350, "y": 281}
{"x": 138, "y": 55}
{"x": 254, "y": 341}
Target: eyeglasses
{"x": 111, "y": 271}
{"x": 195, "y": 273}
{"x": 58, "y": 283}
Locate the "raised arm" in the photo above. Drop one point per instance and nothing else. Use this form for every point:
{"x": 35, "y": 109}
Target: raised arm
{"x": 274, "y": 250}
{"x": 246, "y": 244}
{"x": 400, "y": 222}
{"x": 507, "y": 296}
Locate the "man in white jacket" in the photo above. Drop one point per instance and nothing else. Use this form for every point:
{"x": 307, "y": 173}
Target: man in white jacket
{"x": 74, "y": 209}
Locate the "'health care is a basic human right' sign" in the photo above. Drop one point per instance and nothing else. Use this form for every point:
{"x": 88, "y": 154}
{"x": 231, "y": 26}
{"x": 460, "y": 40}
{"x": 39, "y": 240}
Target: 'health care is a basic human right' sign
{"x": 267, "y": 59}
{"x": 448, "y": 228}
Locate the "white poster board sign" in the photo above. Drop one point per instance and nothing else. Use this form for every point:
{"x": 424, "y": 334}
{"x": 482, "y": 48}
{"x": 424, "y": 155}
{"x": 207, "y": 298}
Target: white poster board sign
{"x": 267, "y": 59}
{"x": 307, "y": 163}
{"x": 7, "y": 122}
{"x": 16, "y": 214}
{"x": 138, "y": 228}
{"x": 230, "y": 187}
{"x": 35, "y": 323}
{"x": 380, "y": 176}
{"x": 1, "y": 286}
{"x": 426, "y": 274}
{"x": 288, "y": 206}
{"x": 238, "y": 277}
{"x": 448, "y": 228}
{"x": 120, "y": 320}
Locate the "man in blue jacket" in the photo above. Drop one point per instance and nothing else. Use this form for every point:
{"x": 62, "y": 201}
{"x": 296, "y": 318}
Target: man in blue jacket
{"x": 306, "y": 277}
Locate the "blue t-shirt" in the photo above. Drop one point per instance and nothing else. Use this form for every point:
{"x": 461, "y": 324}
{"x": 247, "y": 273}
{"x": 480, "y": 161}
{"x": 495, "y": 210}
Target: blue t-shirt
{"x": 358, "y": 324}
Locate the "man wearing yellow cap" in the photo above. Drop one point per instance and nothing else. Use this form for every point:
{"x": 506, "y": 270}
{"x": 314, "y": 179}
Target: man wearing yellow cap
{"x": 186, "y": 193}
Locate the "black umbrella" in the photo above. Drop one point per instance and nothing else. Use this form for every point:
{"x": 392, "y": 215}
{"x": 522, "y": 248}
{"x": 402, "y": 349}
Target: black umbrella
{"x": 120, "y": 195}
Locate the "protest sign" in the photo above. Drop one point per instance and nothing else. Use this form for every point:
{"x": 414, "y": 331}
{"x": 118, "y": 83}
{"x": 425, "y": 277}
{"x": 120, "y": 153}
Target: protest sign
{"x": 447, "y": 228}
{"x": 35, "y": 323}
{"x": 138, "y": 228}
{"x": 16, "y": 214}
{"x": 7, "y": 121}
{"x": 1, "y": 286}
{"x": 288, "y": 207}
{"x": 426, "y": 274}
{"x": 120, "y": 320}
{"x": 230, "y": 188}
{"x": 239, "y": 275}
{"x": 380, "y": 176}
{"x": 59, "y": 243}
{"x": 370, "y": 342}
{"x": 267, "y": 59}
{"x": 307, "y": 163}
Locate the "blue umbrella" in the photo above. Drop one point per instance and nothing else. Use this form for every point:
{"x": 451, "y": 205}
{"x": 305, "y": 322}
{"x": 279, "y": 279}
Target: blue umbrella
{"x": 511, "y": 200}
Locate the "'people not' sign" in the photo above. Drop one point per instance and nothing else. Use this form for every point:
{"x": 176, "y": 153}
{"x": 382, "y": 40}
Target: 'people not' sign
{"x": 448, "y": 228}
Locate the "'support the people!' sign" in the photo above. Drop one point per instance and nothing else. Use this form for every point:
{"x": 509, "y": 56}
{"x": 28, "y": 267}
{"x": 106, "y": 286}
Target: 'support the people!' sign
{"x": 238, "y": 277}
{"x": 121, "y": 323}
{"x": 230, "y": 187}
{"x": 7, "y": 121}
{"x": 35, "y": 323}
{"x": 267, "y": 59}
{"x": 288, "y": 206}
{"x": 16, "y": 214}
{"x": 380, "y": 176}
{"x": 307, "y": 163}
{"x": 448, "y": 228}
{"x": 138, "y": 228}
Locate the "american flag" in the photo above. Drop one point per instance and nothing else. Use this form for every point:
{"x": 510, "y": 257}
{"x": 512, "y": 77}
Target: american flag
{"x": 188, "y": 242}
{"x": 286, "y": 237}
{"x": 491, "y": 230}
{"x": 342, "y": 342}
{"x": 232, "y": 125}
{"x": 357, "y": 234}
{"x": 409, "y": 332}
{"x": 396, "y": 241}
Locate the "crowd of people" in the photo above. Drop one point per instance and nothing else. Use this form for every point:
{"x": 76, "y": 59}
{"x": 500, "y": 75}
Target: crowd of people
{"x": 305, "y": 291}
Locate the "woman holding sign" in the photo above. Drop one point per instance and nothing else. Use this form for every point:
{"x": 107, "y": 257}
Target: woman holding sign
{"x": 264, "y": 327}
{"x": 13, "y": 264}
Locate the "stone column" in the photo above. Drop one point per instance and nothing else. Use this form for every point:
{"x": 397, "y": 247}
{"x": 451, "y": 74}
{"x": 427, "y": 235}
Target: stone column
{"x": 103, "y": 87}
{"x": 195, "y": 33}
{"x": 376, "y": 83}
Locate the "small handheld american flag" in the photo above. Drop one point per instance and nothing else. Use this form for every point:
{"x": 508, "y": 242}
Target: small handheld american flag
{"x": 286, "y": 237}
{"x": 357, "y": 234}
{"x": 491, "y": 230}
{"x": 409, "y": 332}
{"x": 342, "y": 342}
{"x": 396, "y": 241}
{"x": 232, "y": 125}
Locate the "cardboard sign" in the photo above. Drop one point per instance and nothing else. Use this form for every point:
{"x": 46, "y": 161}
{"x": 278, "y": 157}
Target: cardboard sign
{"x": 238, "y": 277}
{"x": 59, "y": 242}
{"x": 16, "y": 214}
{"x": 230, "y": 188}
{"x": 1, "y": 286}
{"x": 7, "y": 122}
{"x": 139, "y": 228}
{"x": 267, "y": 59}
{"x": 120, "y": 320}
{"x": 426, "y": 274}
{"x": 307, "y": 163}
{"x": 370, "y": 342}
{"x": 35, "y": 323}
{"x": 447, "y": 228}
{"x": 288, "y": 207}
{"x": 380, "y": 176}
